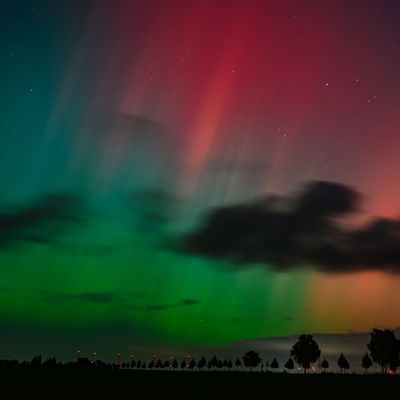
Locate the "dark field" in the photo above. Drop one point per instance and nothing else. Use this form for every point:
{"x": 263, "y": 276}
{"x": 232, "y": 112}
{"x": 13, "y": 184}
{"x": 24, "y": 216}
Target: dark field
{"x": 192, "y": 384}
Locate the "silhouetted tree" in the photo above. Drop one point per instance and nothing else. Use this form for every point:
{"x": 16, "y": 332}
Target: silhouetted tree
{"x": 214, "y": 362}
{"x": 366, "y": 362}
{"x": 251, "y": 359}
{"x": 101, "y": 364}
{"x": 384, "y": 348}
{"x": 36, "y": 361}
{"x": 183, "y": 364}
{"x": 274, "y": 364}
{"x": 230, "y": 365}
{"x": 139, "y": 364}
{"x": 225, "y": 364}
{"x": 174, "y": 364}
{"x": 133, "y": 364}
{"x": 202, "y": 363}
{"x": 50, "y": 362}
{"x": 325, "y": 364}
{"x": 305, "y": 351}
{"x": 238, "y": 363}
{"x": 159, "y": 364}
{"x": 289, "y": 364}
{"x": 209, "y": 365}
{"x": 167, "y": 364}
{"x": 144, "y": 365}
{"x": 343, "y": 363}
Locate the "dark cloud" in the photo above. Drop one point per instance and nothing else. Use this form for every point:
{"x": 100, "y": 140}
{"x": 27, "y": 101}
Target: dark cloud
{"x": 87, "y": 297}
{"x": 154, "y": 208}
{"x": 158, "y": 307}
{"x": 132, "y": 143}
{"x": 42, "y": 221}
{"x": 162, "y": 307}
{"x": 305, "y": 230}
{"x": 288, "y": 318}
{"x": 99, "y": 250}
{"x": 123, "y": 300}
{"x": 123, "y": 124}
{"x": 189, "y": 302}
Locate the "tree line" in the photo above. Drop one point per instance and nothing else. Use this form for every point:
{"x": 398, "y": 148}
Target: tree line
{"x": 383, "y": 349}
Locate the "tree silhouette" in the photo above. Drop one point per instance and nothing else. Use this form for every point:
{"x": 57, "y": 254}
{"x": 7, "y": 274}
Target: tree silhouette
{"x": 50, "y": 362}
{"x": 325, "y": 364}
{"x": 366, "y": 362}
{"x": 192, "y": 363}
{"x": 251, "y": 360}
{"x": 230, "y": 365}
{"x": 183, "y": 364}
{"x": 274, "y": 364}
{"x": 238, "y": 363}
{"x": 174, "y": 364}
{"x": 384, "y": 348}
{"x": 214, "y": 362}
{"x": 36, "y": 361}
{"x": 305, "y": 351}
{"x": 159, "y": 364}
{"x": 83, "y": 362}
{"x": 139, "y": 364}
{"x": 133, "y": 364}
{"x": 289, "y": 365}
{"x": 144, "y": 365}
{"x": 343, "y": 363}
{"x": 202, "y": 363}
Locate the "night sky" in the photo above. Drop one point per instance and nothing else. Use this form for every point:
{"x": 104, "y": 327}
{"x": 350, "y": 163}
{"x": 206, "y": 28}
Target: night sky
{"x": 186, "y": 175}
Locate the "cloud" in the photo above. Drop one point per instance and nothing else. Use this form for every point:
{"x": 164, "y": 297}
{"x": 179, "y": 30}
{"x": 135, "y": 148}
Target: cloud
{"x": 123, "y": 300}
{"x": 154, "y": 208}
{"x": 302, "y": 231}
{"x": 124, "y": 124}
{"x": 41, "y": 221}
{"x": 189, "y": 302}
{"x": 132, "y": 143}
{"x": 86, "y": 297}
{"x": 288, "y": 318}
{"x": 162, "y": 307}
